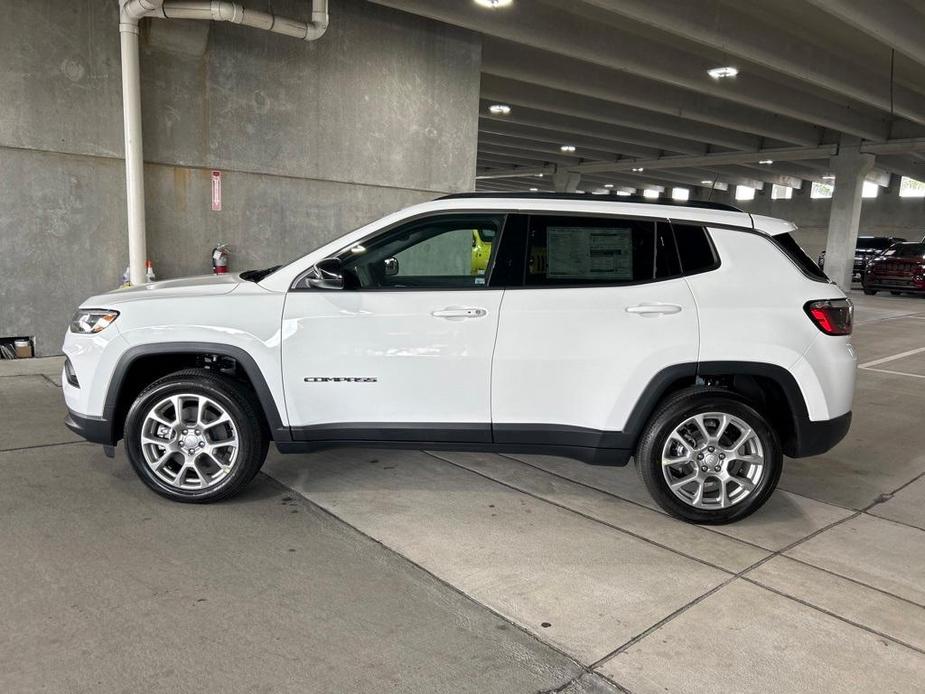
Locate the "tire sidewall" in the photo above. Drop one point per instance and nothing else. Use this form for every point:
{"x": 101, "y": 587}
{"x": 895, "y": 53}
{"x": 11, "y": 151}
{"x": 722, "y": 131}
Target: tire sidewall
{"x": 249, "y": 439}
{"x": 649, "y": 454}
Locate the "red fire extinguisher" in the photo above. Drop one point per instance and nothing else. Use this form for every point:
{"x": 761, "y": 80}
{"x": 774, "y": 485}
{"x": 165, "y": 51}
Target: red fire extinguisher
{"x": 220, "y": 259}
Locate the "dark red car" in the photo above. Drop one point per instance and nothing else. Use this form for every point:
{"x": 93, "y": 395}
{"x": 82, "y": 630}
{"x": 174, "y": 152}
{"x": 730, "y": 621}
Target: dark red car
{"x": 900, "y": 268}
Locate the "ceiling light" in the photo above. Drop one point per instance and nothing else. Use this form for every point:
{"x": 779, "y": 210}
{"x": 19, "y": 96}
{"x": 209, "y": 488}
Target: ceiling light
{"x": 638, "y": 169}
{"x": 706, "y": 183}
{"x": 493, "y": 4}
{"x": 719, "y": 73}
{"x": 608, "y": 185}
{"x": 499, "y": 109}
{"x": 828, "y": 177}
{"x": 533, "y": 190}
{"x": 539, "y": 175}
{"x": 765, "y": 161}
{"x": 623, "y": 193}
{"x": 567, "y": 148}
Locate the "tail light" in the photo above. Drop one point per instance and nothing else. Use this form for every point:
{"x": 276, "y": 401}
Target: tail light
{"x": 831, "y": 316}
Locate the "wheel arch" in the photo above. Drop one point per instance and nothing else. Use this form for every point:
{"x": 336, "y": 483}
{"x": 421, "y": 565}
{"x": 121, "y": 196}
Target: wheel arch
{"x": 772, "y": 389}
{"x": 143, "y": 364}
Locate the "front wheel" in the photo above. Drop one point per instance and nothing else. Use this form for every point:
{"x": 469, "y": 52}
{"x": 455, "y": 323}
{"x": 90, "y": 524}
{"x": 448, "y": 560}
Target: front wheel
{"x": 707, "y": 456}
{"x": 194, "y": 436}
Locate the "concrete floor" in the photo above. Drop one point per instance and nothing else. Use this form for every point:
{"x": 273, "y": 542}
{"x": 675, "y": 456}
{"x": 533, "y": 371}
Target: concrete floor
{"x": 376, "y": 571}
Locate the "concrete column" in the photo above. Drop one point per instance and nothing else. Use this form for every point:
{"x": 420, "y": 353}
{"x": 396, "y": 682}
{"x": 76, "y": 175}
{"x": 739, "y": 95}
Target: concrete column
{"x": 566, "y": 181}
{"x": 850, "y": 167}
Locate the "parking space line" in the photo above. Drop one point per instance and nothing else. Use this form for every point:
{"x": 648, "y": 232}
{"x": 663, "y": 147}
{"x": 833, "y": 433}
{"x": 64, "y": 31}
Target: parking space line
{"x": 884, "y": 360}
{"x": 895, "y": 373}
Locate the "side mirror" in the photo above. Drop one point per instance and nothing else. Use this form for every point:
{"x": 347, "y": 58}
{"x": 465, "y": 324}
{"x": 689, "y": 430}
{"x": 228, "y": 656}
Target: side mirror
{"x": 390, "y": 266}
{"x": 327, "y": 274}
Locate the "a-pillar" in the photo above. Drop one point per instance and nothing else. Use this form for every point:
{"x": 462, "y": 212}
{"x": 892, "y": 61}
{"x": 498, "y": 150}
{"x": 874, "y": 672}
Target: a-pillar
{"x": 849, "y": 167}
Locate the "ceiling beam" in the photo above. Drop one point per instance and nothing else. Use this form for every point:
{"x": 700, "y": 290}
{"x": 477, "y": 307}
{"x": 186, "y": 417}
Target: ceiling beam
{"x": 526, "y": 64}
{"x": 557, "y": 101}
{"x": 760, "y": 173}
{"x": 713, "y": 24}
{"x": 903, "y": 166}
{"x": 708, "y": 160}
{"x": 545, "y": 146}
{"x": 888, "y": 21}
{"x": 524, "y": 154}
{"x": 501, "y": 128}
{"x": 552, "y": 29}
{"x": 603, "y": 131}
{"x": 518, "y": 172}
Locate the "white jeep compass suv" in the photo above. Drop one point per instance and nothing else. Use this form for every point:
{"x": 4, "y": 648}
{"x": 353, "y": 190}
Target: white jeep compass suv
{"x": 695, "y": 338}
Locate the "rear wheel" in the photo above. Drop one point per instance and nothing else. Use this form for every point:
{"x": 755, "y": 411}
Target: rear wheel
{"x": 194, "y": 436}
{"x": 869, "y": 292}
{"x": 707, "y": 456}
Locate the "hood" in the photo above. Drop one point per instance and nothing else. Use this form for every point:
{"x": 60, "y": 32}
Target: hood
{"x": 204, "y": 285}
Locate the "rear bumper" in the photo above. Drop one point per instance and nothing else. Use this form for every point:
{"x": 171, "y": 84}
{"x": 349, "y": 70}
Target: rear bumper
{"x": 816, "y": 438}
{"x": 93, "y": 429}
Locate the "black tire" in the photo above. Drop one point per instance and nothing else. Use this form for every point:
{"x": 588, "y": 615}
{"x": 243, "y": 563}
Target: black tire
{"x": 896, "y": 293}
{"x": 671, "y": 414}
{"x": 235, "y": 398}
{"x": 869, "y": 292}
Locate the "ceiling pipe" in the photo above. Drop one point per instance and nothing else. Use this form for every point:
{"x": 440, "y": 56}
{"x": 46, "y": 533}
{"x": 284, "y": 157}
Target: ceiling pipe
{"x": 130, "y": 13}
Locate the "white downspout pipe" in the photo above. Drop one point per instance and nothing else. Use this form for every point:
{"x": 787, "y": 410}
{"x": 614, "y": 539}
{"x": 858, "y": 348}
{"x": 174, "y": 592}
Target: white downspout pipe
{"x": 130, "y": 13}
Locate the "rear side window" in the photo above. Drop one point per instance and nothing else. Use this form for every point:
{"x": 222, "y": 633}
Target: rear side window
{"x": 792, "y": 250}
{"x": 597, "y": 251}
{"x": 694, "y": 248}
{"x": 906, "y": 250}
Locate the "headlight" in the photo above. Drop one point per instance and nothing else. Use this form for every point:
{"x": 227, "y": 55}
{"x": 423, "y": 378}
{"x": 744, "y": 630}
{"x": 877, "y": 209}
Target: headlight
{"x": 92, "y": 320}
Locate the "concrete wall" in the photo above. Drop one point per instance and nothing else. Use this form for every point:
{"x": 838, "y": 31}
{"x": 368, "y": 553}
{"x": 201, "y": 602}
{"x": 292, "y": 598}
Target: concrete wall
{"x": 886, "y": 215}
{"x": 312, "y": 141}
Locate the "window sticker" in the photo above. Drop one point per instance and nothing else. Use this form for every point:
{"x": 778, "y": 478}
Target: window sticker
{"x": 584, "y": 253}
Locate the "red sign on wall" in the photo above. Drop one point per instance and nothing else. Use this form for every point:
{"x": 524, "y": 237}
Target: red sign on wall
{"x": 216, "y": 191}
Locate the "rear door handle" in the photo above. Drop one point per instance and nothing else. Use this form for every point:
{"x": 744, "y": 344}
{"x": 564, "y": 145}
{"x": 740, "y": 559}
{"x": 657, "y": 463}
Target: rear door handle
{"x": 653, "y": 310}
{"x": 458, "y": 313}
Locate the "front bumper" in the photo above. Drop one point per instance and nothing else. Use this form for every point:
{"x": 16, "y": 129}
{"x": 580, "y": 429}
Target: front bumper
{"x": 93, "y": 429}
{"x": 816, "y": 438}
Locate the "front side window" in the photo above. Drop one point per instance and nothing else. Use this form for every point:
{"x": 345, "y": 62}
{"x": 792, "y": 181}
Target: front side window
{"x": 598, "y": 250}
{"x": 449, "y": 252}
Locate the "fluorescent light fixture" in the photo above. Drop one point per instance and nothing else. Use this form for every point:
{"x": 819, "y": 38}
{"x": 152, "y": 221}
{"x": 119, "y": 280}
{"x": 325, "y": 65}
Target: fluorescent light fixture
{"x": 494, "y": 4}
{"x": 534, "y": 190}
{"x": 638, "y": 169}
{"x": 539, "y": 175}
{"x": 828, "y": 177}
{"x": 567, "y": 148}
{"x": 608, "y": 185}
{"x": 499, "y": 109}
{"x": 706, "y": 183}
{"x": 765, "y": 161}
{"x": 719, "y": 73}
{"x": 624, "y": 193}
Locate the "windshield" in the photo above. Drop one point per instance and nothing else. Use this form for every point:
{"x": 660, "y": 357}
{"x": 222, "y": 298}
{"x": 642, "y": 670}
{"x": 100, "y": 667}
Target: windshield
{"x": 874, "y": 243}
{"x": 907, "y": 250}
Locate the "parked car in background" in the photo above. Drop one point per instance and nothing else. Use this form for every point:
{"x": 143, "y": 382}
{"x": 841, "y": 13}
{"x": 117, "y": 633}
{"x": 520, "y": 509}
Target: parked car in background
{"x": 900, "y": 268}
{"x": 867, "y": 247}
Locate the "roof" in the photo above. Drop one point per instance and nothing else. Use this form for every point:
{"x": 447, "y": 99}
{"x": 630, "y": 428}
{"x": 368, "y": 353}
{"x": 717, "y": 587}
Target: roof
{"x": 589, "y": 197}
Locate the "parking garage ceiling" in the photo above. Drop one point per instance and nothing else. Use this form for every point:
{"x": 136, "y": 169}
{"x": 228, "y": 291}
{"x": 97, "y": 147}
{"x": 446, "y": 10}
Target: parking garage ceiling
{"x": 627, "y": 83}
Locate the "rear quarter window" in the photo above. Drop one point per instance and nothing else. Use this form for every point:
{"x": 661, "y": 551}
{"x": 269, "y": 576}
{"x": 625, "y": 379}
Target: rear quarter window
{"x": 787, "y": 244}
{"x": 695, "y": 249}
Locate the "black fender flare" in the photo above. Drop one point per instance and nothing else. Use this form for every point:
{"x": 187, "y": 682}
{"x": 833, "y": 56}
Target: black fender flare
{"x": 278, "y": 431}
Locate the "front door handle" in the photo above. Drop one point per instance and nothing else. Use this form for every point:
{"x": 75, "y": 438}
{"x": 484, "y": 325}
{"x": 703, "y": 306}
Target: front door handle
{"x": 653, "y": 310}
{"x": 459, "y": 313}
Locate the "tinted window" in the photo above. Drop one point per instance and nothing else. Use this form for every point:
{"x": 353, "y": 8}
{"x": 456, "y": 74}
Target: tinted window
{"x": 695, "y": 248}
{"x": 877, "y": 243}
{"x": 436, "y": 253}
{"x": 906, "y": 250}
{"x": 793, "y": 251}
{"x": 597, "y": 250}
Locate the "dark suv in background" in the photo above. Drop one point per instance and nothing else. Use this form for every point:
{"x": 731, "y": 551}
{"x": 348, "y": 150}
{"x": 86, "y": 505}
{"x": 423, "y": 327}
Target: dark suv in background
{"x": 900, "y": 268}
{"x": 867, "y": 247}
